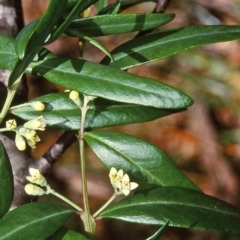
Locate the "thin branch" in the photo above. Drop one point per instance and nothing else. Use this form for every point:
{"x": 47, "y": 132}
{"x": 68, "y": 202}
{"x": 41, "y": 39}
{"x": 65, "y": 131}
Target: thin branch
{"x": 54, "y": 152}
{"x": 162, "y": 6}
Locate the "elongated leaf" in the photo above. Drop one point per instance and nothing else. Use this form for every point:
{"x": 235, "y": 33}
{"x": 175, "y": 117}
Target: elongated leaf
{"x": 36, "y": 220}
{"x": 146, "y": 165}
{"x": 117, "y": 7}
{"x": 103, "y": 81}
{"x": 181, "y": 207}
{"x": 6, "y": 182}
{"x": 118, "y": 23}
{"x": 66, "y": 234}
{"x": 163, "y": 44}
{"x": 61, "y": 112}
{"x": 111, "y": 83}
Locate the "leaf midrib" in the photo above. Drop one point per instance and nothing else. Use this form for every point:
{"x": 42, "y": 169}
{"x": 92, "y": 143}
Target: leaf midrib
{"x": 33, "y": 222}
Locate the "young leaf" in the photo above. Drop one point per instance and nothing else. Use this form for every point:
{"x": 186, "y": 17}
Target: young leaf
{"x": 66, "y": 234}
{"x": 165, "y": 43}
{"x": 145, "y": 164}
{"x": 119, "y": 23}
{"x": 93, "y": 42}
{"x": 61, "y": 112}
{"x": 116, "y": 7}
{"x": 110, "y": 83}
{"x": 181, "y": 207}
{"x": 37, "y": 220}
{"x": 6, "y": 182}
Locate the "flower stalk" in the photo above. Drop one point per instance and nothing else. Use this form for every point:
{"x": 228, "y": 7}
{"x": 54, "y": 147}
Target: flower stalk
{"x": 89, "y": 222}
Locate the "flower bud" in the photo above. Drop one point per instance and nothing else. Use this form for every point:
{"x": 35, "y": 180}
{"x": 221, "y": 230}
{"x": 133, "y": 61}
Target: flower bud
{"x": 20, "y": 142}
{"x": 11, "y": 124}
{"x": 36, "y": 124}
{"x": 34, "y": 190}
{"x": 37, "y": 105}
{"x": 75, "y": 97}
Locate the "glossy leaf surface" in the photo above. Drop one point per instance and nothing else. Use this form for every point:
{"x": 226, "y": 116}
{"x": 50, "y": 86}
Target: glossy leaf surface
{"x": 66, "y": 234}
{"x": 181, "y": 207}
{"x": 6, "y": 182}
{"x": 110, "y": 83}
{"x": 37, "y": 220}
{"x": 163, "y": 44}
{"x": 61, "y": 112}
{"x": 34, "y": 35}
{"x": 28, "y": 45}
{"x": 8, "y": 55}
{"x": 145, "y": 164}
{"x": 118, "y": 23}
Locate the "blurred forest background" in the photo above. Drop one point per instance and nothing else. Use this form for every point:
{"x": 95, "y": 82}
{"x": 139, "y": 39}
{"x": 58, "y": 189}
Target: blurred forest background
{"x": 204, "y": 141}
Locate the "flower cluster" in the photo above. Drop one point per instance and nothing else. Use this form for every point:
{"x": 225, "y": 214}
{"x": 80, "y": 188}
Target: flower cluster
{"x": 36, "y": 178}
{"x": 27, "y": 132}
{"x": 121, "y": 182}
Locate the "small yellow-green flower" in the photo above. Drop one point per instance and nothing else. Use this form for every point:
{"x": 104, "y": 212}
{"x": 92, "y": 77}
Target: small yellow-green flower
{"x": 121, "y": 183}
{"x": 36, "y": 177}
{"x": 11, "y": 124}
{"x": 37, "y": 105}
{"x": 34, "y": 190}
{"x": 126, "y": 185}
{"x": 32, "y": 142}
{"x": 27, "y": 133}
{"x": 20, "y": 142}
{"x": 115, "y": 176}
{"x": 30, "y": 136}
{"x": 36, "y": 124}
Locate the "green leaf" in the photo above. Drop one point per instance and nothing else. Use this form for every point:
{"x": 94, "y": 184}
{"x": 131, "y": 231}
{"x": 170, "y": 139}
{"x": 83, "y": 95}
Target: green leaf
{"x": 61, "y": 112}
{"x": 116, "y": 7}
{"x": 37, "y": 220}
{"x": 23, "y": 37}
{"x": 29, "y": 44}
{"x": 156, "y": 235}
{"x": 101, "y": 4}
{"x": 78, "y": 7}
{"x": 66, "y": 234}
{"x": 34, "y": 34}
{"x": 181, "y": 207}
{"x": 165, "y": 43}
{"x": 8, "y": 55}
{"x": 6, "y": 182}
{"x": 124, "y": 5}
{"x": 110, "y": 83}
{"x": 119, "y": 23}
{"x": 93, "y": 42}
{"x": 145, "y": 164}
